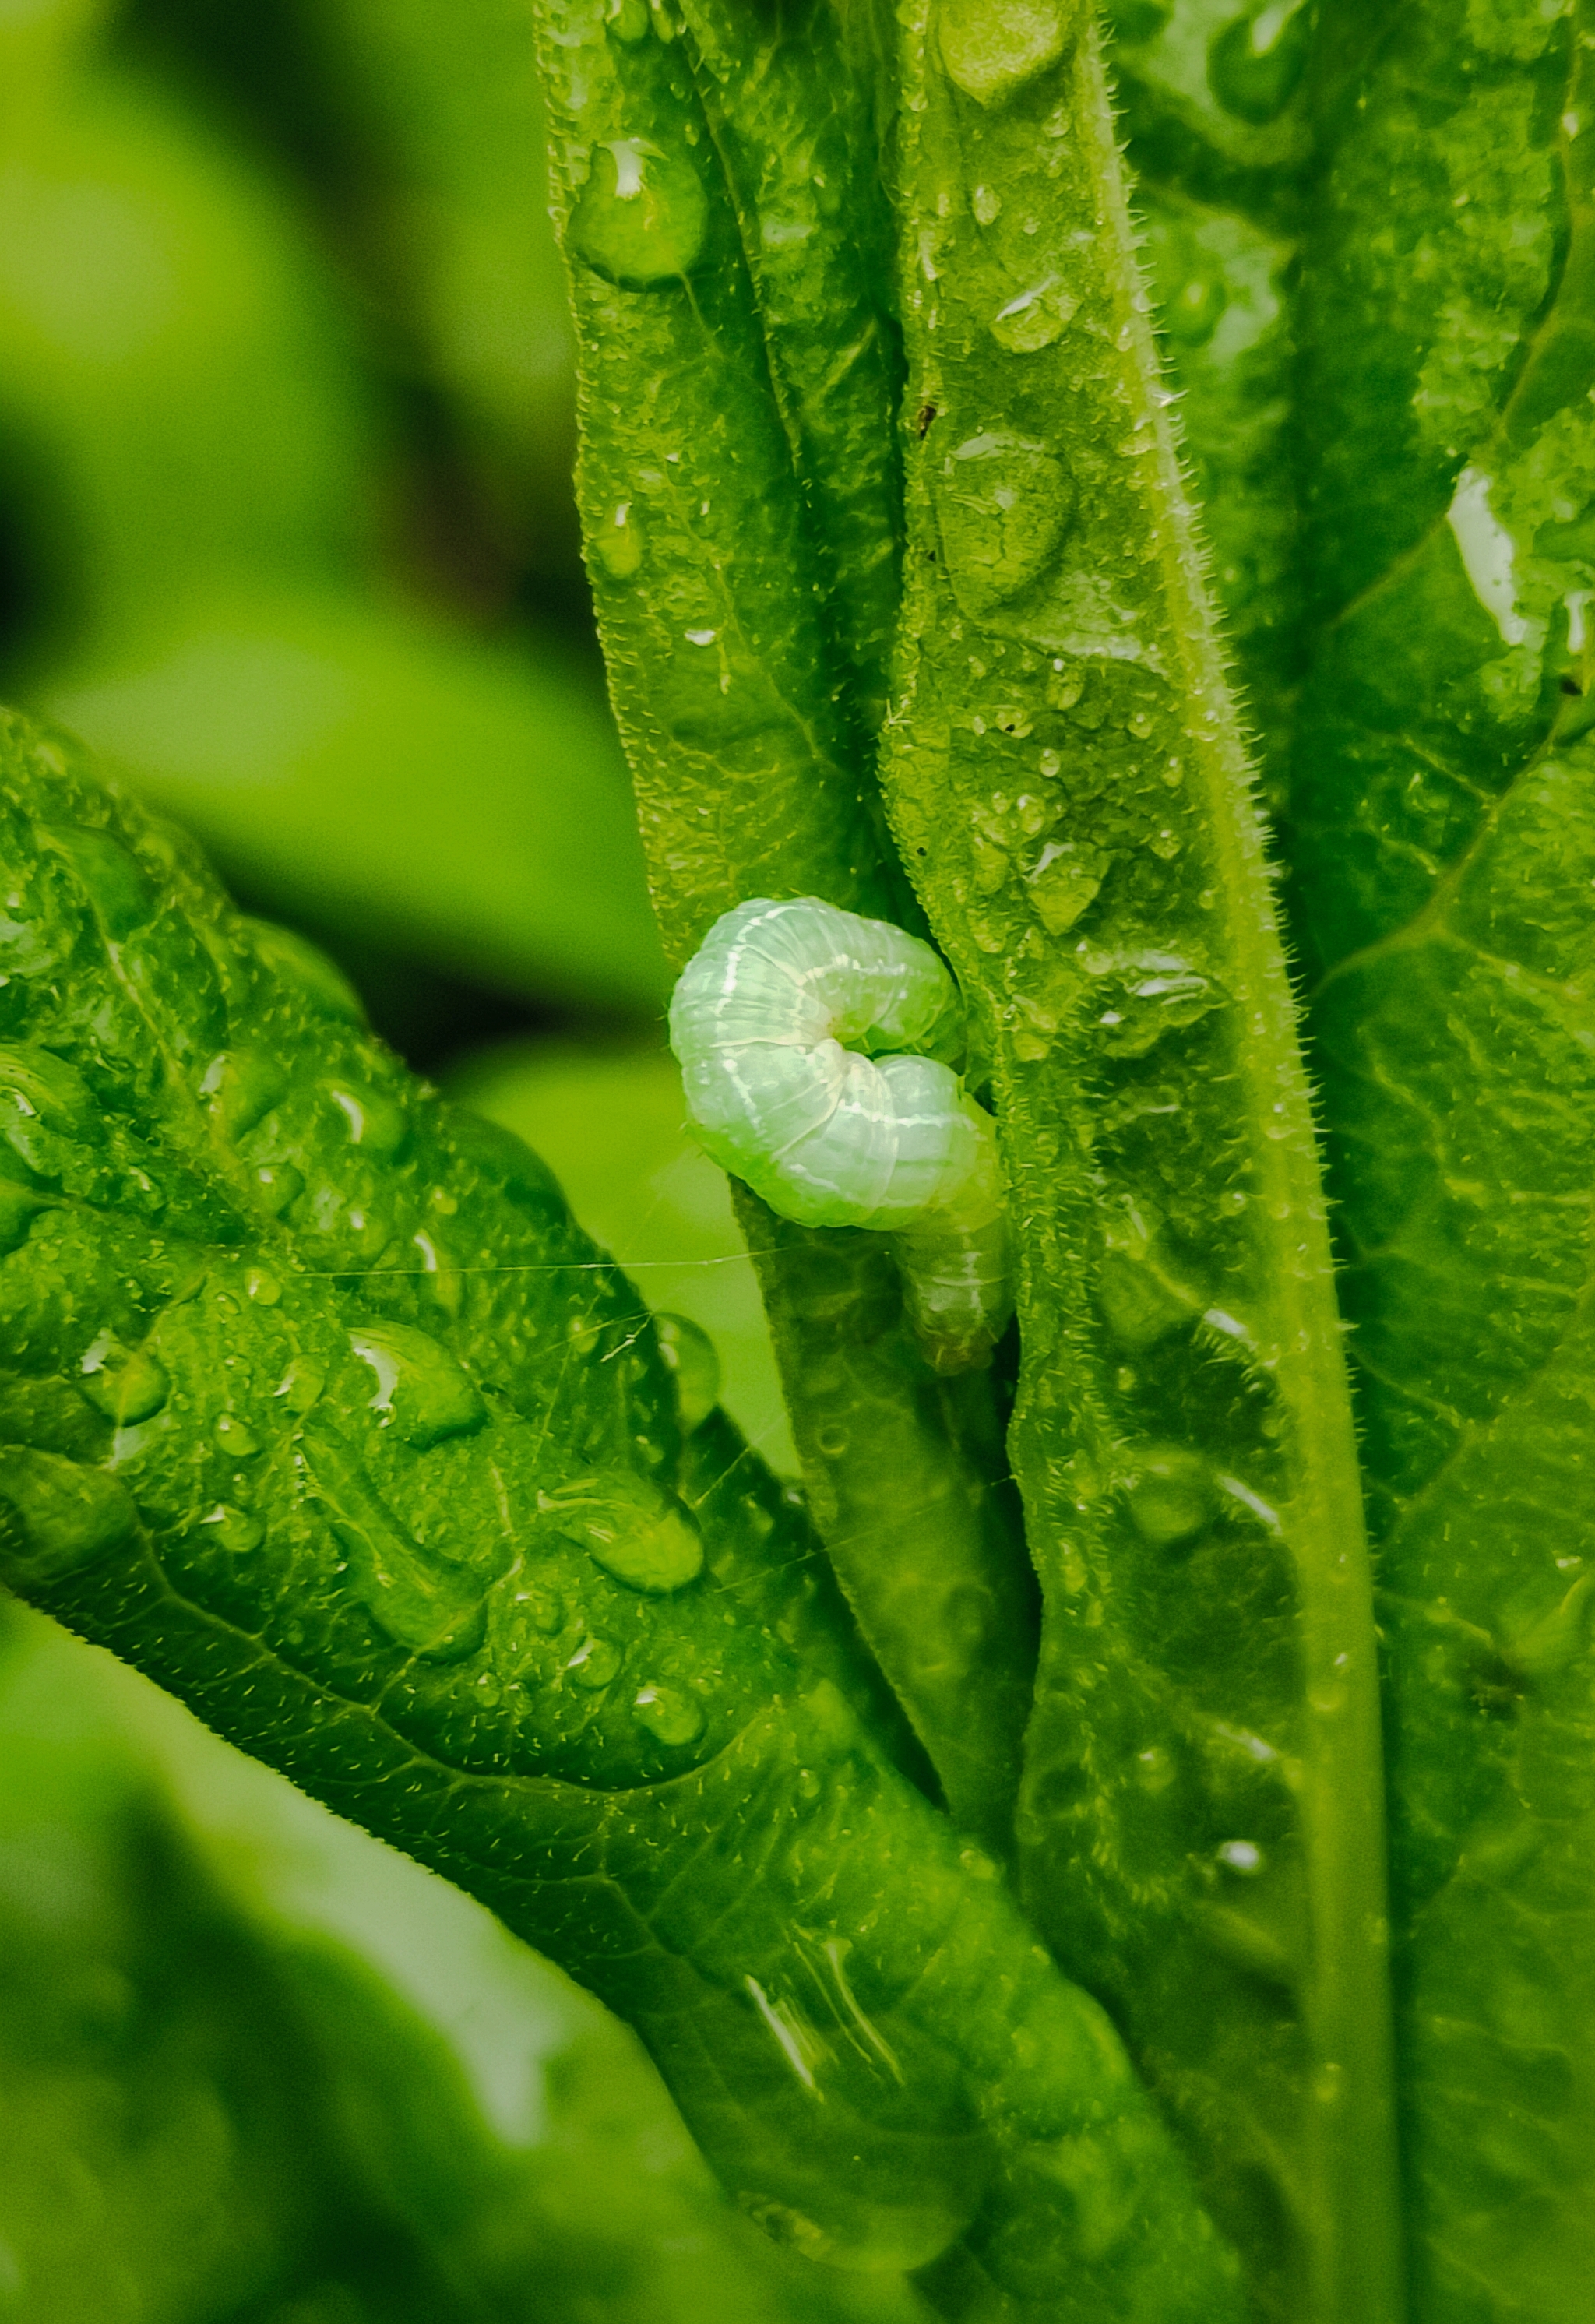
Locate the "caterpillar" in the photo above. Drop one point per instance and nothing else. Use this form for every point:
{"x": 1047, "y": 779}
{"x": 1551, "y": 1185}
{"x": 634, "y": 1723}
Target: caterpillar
{"x": 780, "y": 1022}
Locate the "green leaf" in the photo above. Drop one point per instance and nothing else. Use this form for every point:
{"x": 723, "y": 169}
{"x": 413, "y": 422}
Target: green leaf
{"x": 610, "y": 1127}
{"x": 388, "y": 775}
{"x": 411, "y": 1519}
{"x": 207, "y": 2100}
{"x": 1199, "y": 1826}
{"x": 1443, "y": 859}
{"x": 738, "y": 541}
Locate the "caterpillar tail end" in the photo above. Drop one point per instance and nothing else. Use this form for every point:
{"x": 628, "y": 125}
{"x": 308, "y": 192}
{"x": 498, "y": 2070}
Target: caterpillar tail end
{"x": 958, "y": 1288}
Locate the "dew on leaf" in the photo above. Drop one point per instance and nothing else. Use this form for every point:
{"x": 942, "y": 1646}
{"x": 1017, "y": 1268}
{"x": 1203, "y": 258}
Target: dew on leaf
{"x": 669, "y": 1715}
{"x": 1003, "y": 505}
{"x": 992, "y": 49}
{"x": 1255, "y": 64}
{"x": 235, "y": 1529}
{"x": 689, "y": 1353}
{"x": 70, "y": 1516}
{"x": 421, "y": 1391}
{"x": 237, "y": 1438}
{"x": 629, "y": 1526}
{"x": 618, "y": 543}
{"x": 595, "y": 1662}
{"x": 641, "y": 218}
{"x": 1173, "y": 1495}
{"x": 127, "y": 1389}
{"x": 240, "y": 1087}
{"x": 1035, "y": 319}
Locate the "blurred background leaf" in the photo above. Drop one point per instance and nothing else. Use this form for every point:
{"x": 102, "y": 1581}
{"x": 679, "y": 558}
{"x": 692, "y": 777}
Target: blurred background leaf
{"x": 286, "y": 533}
{"x": 254, "y": 2067}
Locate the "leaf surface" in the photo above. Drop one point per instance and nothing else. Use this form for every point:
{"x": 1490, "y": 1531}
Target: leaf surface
{"x": 320, "y": 1410}
{"x": 1200, "y": 1822}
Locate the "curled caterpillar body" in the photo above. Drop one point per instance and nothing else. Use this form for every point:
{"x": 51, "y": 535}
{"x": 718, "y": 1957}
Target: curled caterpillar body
{"x": 780, "y": 1022}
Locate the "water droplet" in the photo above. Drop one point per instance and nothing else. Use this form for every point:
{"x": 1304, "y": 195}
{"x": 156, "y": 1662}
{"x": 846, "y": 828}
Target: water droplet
{"x": 993, "y": 48}
{"x": 488, "y": 1691}
{"x": 127, "y": 1389}
{"x": 279, "y": 1183}
{"x": 317, "y": 981}
{"x": 595, "y": 1662}
{"x": 1241, "y": 1855}
{"x": 1173, "y": 1495}
{"x": 419, "y": 1600}
{"x": 70, "y": 1516}
{"x": 641, "y": 218}
{"x": 833, "y": 1439}
{"x": 670, "y": 1716}
{"x": 238, "y": 1530}
{"x": 628, "y": 19}
{"x": 545, "y": 1610}
{"x": 41, "y": 1094}
{"x": 301, "y": 1384}
{"x": 1192, "y": 314}
{"x": 1147, "y": 995}
{"x": 618, "y": 545}
{"x": 630, "y": 1528}
{"x": 117, "y": 886}
{"x": 1065, "y": 683}
{"x": 1066, "y": 878}
{"x": 689, "y": 1352}
{"x": 1255, "y": 65}
{"x": 376, "y": 1120}
{"x": 240, "y": 1087}
{"x": 807, "y": 1784}
{"x": 237, "y": 1438}
{"x": 1154, "y": 1768}
{"x": 262, "y": 1286}
{"x": 1035, "y": 319}
{"x": 421, "y": 1391}
{"x": 986, "y": 203}
{"x": 1003, "y": 505}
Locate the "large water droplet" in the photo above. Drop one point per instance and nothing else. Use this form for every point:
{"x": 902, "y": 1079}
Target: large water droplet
{"x": 417, "y": 1599}
{"x": 884, "y": 2163}
{"x": 240, "y": 1087}
{"x": 595, "y": 1664}
{"x": 280, "y": 1185}
{"x": 1003, "y": 505}
{"x": 126, "y": 1387}
{"x": 1145, "y": 995}
{"x": 628, "y": 19}
{"x": 43, "y": 1099}
{"x": 690, "y": 1354}
{"x": 376, "y": 1121}
{"x": 422, "y": 1393}
{"x": 67, "y": 1518}
{"x": 641, "y": 218}
{"x": 318, "y": 981}
{"x": 235, "y": 1529}
{"x": 670, "y": 1716}
{"x": 1173, "y": 1495}
{"x": 1035, "y": 319}
{"x": 237, "y": 1440}
{"x": 618, "y": 543}
{"x": 630, "y": 1528}
{"x": 993, "y": 48}
{"x": 1255, "y": 65}
{"x": 120, "y": 890}
{"x": 1066, "y": 878}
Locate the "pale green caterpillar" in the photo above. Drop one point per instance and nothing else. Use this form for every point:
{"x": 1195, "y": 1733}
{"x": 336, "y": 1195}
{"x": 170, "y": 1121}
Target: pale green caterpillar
{"x": 777, "y": 1021}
